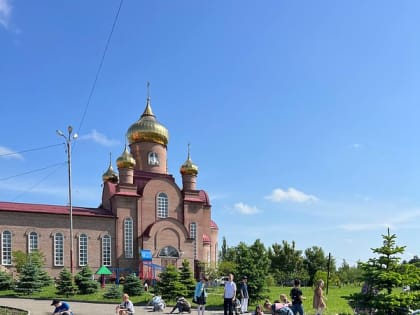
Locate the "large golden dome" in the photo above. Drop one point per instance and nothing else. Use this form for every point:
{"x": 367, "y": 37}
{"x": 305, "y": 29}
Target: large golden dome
{"x": 126, "y": 160}
{"x": 147, "y": 128}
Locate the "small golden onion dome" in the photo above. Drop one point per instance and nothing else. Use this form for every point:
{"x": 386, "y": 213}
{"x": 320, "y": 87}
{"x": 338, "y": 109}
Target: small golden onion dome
{"x": 147, "y": 128}
{"x": 110, "y": 175}
{"x": 189, "y": 168}
{"x": 126, "y": 160}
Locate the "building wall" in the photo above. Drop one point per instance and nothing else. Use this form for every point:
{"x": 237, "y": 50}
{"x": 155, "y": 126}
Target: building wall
{"x": 46, "y": 225}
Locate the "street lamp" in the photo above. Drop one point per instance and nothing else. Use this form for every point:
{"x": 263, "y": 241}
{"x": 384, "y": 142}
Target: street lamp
{"x": 68, "y": 144}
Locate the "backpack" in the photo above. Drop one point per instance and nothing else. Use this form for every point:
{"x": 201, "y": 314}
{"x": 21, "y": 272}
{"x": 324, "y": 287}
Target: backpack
{"x": 285, "y": 310}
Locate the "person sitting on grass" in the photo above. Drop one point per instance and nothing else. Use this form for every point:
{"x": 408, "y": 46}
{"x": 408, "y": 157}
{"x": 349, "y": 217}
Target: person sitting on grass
{"x": 61, "y": 308}
{"x": 277, "y": 308}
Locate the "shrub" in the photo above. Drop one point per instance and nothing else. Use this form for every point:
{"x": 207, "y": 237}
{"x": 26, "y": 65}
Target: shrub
{"x": 85, "y": 282}
{"x": 133, "y": 285}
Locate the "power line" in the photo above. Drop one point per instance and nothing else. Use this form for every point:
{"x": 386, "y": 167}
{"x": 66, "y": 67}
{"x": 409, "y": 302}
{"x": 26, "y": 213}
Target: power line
{"x": 92, "y": 90}
{"x": 100, "y": 65}
{"x": 33, "y": 171}
{"x": 30, "y": 150}
{"x": 39, "y": 182}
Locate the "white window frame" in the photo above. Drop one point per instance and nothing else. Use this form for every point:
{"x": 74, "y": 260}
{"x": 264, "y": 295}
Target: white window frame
{"x": 162, "y": 205}
{"x": 128, "y": 238}
{"x": 33, "y": 242}
{"x": 58, "y": 249}
{"x": 83, "y": 250}
{"x": 106, "y": 250}
{"x": 6, "y": 248}
{"x": 193, "y": 235}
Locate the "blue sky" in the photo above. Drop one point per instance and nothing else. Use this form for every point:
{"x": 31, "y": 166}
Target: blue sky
{"x": 302, "y": 115}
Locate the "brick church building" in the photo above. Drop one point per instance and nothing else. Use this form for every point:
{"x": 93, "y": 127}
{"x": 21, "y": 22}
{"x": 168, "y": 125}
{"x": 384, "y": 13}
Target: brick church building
{"x": 145, "y": 220}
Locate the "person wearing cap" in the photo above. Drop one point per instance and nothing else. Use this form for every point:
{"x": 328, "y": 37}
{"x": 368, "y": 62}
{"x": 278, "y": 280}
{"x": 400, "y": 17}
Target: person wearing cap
{"x": 61, "y": 308}
{"x": 244, "y": 294}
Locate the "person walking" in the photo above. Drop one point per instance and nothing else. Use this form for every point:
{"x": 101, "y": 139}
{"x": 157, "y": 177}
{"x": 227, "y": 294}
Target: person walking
{"x": 229, "y": 296}
{"x": 297, "y": 298}
{"x": 319, "y": 299}
{"x": 244, "y": 295}
{"x": 200, "y": 295}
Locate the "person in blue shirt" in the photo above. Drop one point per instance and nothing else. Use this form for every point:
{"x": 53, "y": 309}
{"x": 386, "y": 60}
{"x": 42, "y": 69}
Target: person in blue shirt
{"x": 200, "y": 295}
{"x": 61, "y": 308}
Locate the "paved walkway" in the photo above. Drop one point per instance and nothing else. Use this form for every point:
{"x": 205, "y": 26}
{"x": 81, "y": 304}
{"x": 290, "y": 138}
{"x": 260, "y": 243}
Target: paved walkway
{"x": 42, "y": 307}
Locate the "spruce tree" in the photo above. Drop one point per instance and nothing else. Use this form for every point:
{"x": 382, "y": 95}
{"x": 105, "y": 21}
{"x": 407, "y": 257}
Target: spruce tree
{"x": 384, "y": 278}
{"x": 187, "y": 279}
{"x": 29, "y": 280}
{"x": 65, "y": 285}
{"x": 132, "y": 285}
{"x": 169, "y": 286}
{"x": 85, "y": 282}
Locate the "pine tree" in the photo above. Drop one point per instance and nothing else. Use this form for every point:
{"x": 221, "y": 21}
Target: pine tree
{"x": 187, "y": 279}
{"x": 65, "y": 285}
{"x": 384, "y": 277}
{"x": 28, "y": 281}
{"x": 85, "y": 282}
{"x": 132, "y": 285}
{"x": 169, "y": 285}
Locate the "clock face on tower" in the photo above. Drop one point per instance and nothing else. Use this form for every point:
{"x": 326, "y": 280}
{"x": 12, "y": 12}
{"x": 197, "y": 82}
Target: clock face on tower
{"x": 153, "y": 158}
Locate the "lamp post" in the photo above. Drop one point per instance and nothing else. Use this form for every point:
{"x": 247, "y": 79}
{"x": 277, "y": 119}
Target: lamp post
{"x": 68, "y": 139}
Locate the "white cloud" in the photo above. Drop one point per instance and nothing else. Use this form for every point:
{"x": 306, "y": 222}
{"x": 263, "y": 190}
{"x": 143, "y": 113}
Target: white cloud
{"x": 291, "y": 194}
{"x": 99, "y": 138}
{"x": 7, "y": 153}
{"x": 394, "y": 220}
{"x": 5, "y": 12}
{"x": 245, "y": 209}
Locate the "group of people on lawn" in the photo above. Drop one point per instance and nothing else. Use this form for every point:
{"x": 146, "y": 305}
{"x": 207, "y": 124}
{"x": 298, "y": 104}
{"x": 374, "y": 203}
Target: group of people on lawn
{"x": 278, "y": 307}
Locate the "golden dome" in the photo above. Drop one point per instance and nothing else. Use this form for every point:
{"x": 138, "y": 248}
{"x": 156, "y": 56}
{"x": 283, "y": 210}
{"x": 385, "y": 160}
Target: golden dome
{"x": 147, "y": 128}
{"x": 110, "y": 175}
{"x": 189, "y": 168}
{"x": 126, "y": 160}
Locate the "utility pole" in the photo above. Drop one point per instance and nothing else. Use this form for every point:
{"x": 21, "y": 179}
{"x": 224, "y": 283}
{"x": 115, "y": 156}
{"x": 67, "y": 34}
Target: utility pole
{"x": 68, "y": 139}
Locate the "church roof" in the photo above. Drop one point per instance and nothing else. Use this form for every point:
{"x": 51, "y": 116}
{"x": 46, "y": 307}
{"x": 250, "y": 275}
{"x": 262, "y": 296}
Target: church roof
{"x": 53, "y": 209}
{"x": 213, "y": 225}
{"x": 206, "y": 239}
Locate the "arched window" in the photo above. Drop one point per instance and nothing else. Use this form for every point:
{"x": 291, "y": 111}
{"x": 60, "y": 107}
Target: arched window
{"x": 32, "y": 242}
{"x": 128, "y": 238}
{"x": 169, "y": 252}
{"x": 83, "y": 250}
{"x": 58, "y": 249}
{"x": 153, "y": 158}
{"x": 6, "y": 248}
{"x": 193, "y": 235}
{"x": 162, "y": 206}
{"x": 106, "y": 250}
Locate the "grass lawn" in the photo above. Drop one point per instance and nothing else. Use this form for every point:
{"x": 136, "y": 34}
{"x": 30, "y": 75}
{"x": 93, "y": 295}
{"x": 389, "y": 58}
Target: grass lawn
{"x": 335, "y": 303}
